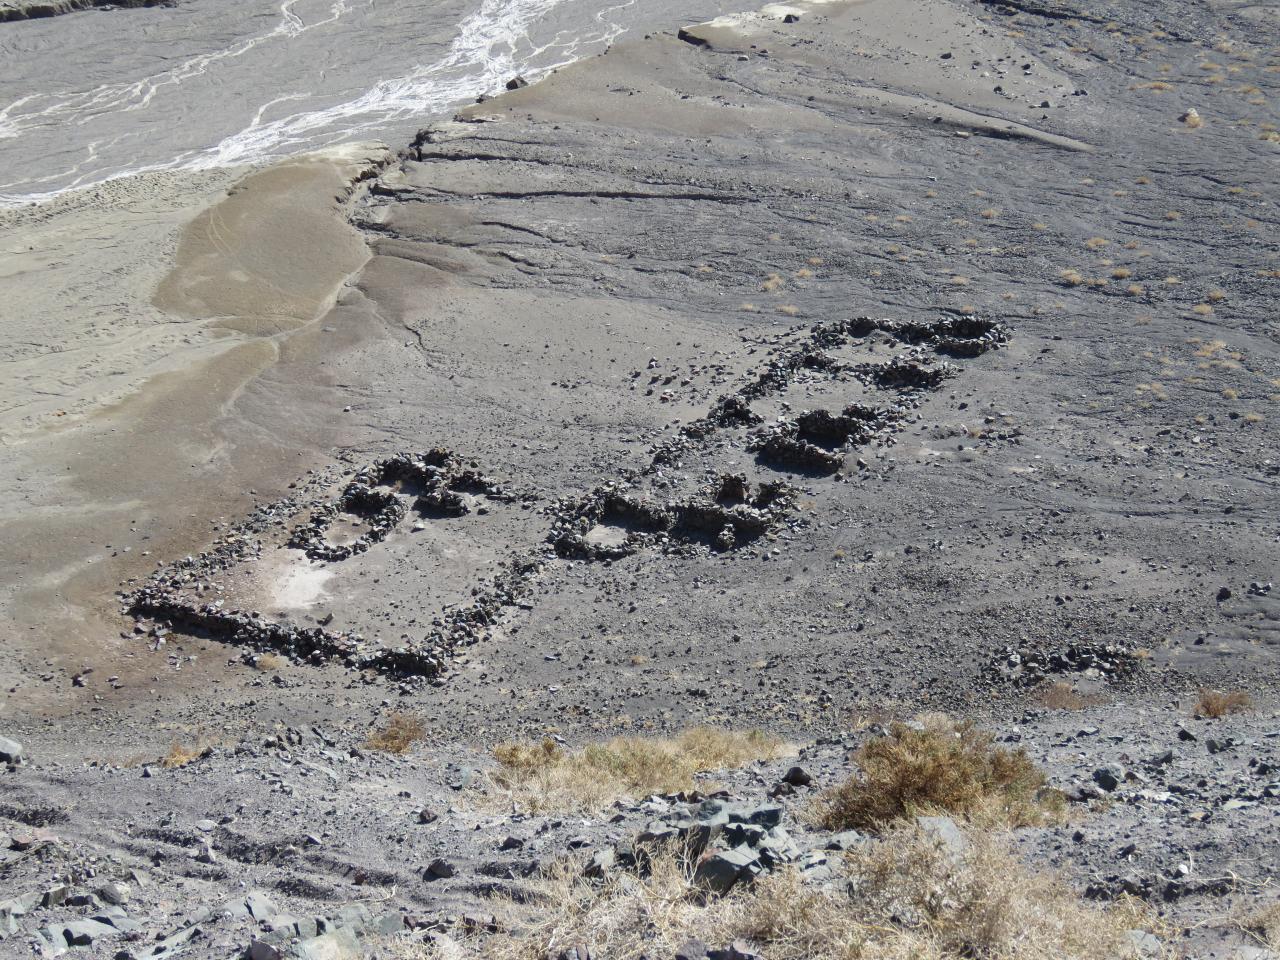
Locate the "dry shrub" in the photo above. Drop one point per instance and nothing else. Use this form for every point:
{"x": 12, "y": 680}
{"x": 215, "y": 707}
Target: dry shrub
{"x": 937, "y": 766}
{"x": 908, "y": 898}
{"x": 1071, "y": 278}
{"x": 400, "y": 732}
{"x": 1213, "y": 704}
{"x": 1265, "y": 925}
{"x": 544, "y": 777}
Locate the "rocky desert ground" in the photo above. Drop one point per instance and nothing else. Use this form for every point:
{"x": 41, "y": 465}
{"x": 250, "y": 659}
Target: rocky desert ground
{"x": 566, "y": 534}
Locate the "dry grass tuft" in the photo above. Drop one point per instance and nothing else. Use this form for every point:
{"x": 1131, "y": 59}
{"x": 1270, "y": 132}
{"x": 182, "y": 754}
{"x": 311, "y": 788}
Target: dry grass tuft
{"x": 1071, "y": 278}
{"x": 1213, "y": 704}
{"x": 400, "y": 732}
{"x": 771, "y": 283}
{"x": 270, "y": 663}
{"x": 541, "y": 777}
{"x": 907, "y": 898}
{"x": 1096, "y": 243}
{"x": 935, "y": 766}
{"x": 1121, "y": 273}
{"x": 1060, "y": 695}
{"x": 181, "y": 754}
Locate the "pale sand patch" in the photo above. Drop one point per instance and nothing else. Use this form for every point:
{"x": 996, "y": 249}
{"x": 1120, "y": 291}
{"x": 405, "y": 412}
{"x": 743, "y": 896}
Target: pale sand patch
{"x": 151, "y": 450}
{"x": 272, "y": 249}
{"x": 300, "y": 584}
{"x": 76, "y": 276}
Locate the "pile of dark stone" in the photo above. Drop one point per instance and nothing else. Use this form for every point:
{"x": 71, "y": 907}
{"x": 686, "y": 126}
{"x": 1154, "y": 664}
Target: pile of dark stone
{"x": 965, "y": 336}
{"x": 729, "y": 517}
{"x": 1028, "y": 667}
{"x": 438, "y": 479}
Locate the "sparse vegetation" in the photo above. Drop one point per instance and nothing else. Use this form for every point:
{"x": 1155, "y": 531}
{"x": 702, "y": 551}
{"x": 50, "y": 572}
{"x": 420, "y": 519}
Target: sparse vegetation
{"x": 937, "y": 765}
{"x": 398, "y": 733}
{"x": 1265, "y": 925}
{"x": 1071, "y": 278}
{"x": 908, "y": 898}
{"x": 545, "y": 776}
{"x": 1213, "y": 704}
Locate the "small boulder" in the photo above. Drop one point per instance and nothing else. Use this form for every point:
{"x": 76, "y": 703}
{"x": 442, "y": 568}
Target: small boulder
{"x": 1109, "y": 777}
{"x": 797, "y": 777}
{"x": 113, "y": 892}
{"x": 721, "y": 869}
{"x": 738, "y": 950}
{"x": 440, "y": 869}
{"x": 12, "y": 752}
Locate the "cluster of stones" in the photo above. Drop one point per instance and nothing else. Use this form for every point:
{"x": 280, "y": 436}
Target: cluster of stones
{"x": 733, "y": 518}
{"x": 1029, "y": 667}
{"x": 725, "y": 516}
{"x": 437, "y": 479}
{"x": 427, "y": 658}
{"x": 279, "y": 935}
{"x": 906, "y": 374}
{"x": 813, "y": 441}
